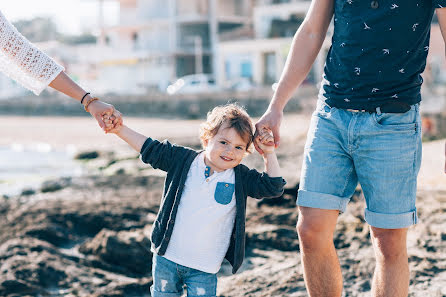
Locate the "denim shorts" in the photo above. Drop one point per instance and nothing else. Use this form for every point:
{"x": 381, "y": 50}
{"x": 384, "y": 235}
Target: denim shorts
{"x": 170, "y": 277}
{"x": 381, "y": 151}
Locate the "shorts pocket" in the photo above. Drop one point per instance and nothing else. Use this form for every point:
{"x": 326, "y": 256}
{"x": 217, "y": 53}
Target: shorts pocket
{"x": 223, "y": 192}
{"x": 323, "y": 110}
{"x": 397, "y": 121}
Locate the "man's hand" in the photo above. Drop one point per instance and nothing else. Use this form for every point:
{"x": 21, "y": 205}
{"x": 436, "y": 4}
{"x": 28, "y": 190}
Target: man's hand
{"x": 270, "y": 121}
{"x": 99, "y": 109}
{"x": 265, "y": 141}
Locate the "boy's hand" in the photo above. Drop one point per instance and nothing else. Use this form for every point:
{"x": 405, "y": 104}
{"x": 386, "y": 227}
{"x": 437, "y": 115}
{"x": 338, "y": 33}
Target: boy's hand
{"x": 265, "y": 141}
{"x": 112, "y": 122}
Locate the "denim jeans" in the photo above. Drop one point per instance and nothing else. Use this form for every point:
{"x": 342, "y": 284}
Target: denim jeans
{"x": 381, "y": 151}
{"x": 169, "y": 279}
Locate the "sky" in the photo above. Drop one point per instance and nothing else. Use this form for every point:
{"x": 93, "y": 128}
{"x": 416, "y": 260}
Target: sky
{"x": 71, "y": 16}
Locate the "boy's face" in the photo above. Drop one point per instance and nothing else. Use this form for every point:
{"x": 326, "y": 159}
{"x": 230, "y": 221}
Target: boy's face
{"x": 225, "y": 150}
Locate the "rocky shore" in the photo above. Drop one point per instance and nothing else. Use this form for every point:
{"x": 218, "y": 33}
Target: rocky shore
{"x": 88, "y": 235}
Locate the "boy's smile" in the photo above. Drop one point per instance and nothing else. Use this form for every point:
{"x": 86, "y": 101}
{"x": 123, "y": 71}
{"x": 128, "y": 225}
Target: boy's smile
{"x": 224, "y": 150}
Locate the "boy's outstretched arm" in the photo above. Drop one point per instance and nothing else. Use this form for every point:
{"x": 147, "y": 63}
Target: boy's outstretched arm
{"x": 265, "y": 141}
{"x": 133, "y": 138}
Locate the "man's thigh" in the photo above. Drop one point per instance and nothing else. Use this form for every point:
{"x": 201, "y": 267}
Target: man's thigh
{"x": 328, "y": 177}
{"x": 387, "y": 161}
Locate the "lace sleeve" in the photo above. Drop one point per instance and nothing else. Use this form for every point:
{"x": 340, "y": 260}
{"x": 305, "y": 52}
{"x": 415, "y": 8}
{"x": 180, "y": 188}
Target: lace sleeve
{"x": 22, "y": 61}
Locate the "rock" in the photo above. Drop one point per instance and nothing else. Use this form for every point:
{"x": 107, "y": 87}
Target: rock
{"x": 87, "y": 155}
{"x": 28, "y": 192}
{"x": 129, "y": 249}
{"x": 280, "y": 238}
{"x": 55, "y": 185}
{"x": 13, "y": 286}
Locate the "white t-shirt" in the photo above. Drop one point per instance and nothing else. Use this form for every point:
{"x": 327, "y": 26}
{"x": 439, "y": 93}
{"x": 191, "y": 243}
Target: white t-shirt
{"x": 204, "y": 220}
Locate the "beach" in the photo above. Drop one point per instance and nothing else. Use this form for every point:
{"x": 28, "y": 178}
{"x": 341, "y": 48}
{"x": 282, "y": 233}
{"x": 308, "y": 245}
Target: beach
{"x": 86, "y": 234}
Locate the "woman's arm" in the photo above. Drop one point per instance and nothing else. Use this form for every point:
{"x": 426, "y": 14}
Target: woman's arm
{"x": 26, "y": 64}
{"x": 64, "y": 84}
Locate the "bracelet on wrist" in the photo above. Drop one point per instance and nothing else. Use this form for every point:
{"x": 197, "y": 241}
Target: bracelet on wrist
{"x": 89, "y": 102}
{"x": 83, "y": 97}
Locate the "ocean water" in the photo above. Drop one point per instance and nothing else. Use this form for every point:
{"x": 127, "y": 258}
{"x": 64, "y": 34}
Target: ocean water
{"x": 27, "y": 166}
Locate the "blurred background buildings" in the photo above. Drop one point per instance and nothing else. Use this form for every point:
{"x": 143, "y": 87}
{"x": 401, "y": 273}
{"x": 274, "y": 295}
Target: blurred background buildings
{"x": 239, "y": 45}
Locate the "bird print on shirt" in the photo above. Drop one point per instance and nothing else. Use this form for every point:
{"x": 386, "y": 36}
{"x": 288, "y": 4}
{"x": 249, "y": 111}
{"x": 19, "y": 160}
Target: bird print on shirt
{"x": 405, "y": 22}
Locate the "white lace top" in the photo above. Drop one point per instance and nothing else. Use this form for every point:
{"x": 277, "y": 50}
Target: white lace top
{"x": 24, "y": 62}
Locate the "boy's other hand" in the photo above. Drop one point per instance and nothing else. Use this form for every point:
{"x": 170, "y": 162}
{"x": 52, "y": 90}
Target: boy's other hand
{"x": 265, "y": 141}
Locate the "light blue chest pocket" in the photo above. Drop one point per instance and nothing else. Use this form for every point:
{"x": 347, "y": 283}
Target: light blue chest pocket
{"x": 223, "y": 192}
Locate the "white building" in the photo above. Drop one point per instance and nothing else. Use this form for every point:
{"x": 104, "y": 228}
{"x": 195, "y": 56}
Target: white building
{"x": 262, "y": 57}
{"x": 158, "y": 41}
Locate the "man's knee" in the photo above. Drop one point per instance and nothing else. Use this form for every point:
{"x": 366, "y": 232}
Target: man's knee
{"x": 389, "y": 244}
{"x": 315, "y": 227}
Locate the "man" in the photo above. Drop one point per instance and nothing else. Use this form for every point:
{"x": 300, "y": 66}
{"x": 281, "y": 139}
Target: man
{"x": 365, "y": 129}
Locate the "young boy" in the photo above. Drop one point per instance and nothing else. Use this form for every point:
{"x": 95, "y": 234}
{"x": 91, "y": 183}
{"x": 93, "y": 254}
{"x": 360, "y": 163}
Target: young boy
{"x": 201, "y": 219}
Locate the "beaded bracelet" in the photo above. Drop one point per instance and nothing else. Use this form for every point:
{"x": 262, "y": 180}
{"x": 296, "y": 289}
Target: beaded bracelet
{"x": 89, "y": 102}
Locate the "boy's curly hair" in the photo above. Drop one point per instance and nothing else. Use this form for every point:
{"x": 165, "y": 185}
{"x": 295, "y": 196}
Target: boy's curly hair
{"x": 235, "y": 116}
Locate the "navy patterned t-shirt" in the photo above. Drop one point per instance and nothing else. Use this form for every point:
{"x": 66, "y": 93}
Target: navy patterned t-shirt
{"x": 378, "y": 52}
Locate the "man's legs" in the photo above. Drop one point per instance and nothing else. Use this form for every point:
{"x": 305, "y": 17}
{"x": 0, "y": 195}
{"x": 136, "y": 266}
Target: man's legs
{"x": 391, "y": 278}
{"x": 322, "y": 272}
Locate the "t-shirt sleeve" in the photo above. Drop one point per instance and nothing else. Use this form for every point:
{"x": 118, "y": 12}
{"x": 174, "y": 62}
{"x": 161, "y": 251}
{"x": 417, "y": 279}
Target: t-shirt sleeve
{"x": 439, "y": 3}
{"x": 261, "y": 185}
{"x": 160, "y": 155}
{"x": 23, "y": 62}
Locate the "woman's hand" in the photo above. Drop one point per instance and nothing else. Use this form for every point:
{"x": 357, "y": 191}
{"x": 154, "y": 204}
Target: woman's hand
{"x": 99, "y": 109}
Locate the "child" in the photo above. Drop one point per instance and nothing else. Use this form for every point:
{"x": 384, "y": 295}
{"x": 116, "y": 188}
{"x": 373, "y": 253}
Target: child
{"x": 201, "y": 219}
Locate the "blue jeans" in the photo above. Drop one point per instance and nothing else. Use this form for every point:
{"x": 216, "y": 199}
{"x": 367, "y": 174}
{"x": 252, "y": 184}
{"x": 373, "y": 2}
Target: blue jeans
{"x": 169, "y": 279}
{"x": 381, "y": 151}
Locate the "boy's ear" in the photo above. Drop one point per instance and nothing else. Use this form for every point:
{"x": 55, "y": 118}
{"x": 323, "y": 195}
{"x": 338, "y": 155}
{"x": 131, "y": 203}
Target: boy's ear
{"x": 205, "y": 142}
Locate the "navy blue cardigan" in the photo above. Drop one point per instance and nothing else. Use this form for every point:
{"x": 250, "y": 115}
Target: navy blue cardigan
{"x": 176, "y": 161}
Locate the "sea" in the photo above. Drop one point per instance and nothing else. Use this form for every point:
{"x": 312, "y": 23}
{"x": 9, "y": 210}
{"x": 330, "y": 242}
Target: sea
{"x": 28, "y": 166}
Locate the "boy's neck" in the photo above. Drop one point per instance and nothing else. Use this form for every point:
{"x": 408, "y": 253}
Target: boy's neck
{"x": 211, "y": 169}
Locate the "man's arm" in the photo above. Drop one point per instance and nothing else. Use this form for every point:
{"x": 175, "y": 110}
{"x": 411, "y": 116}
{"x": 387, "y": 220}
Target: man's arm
{"x": 441, "y": 14}
{"x": 305, "y": 47}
